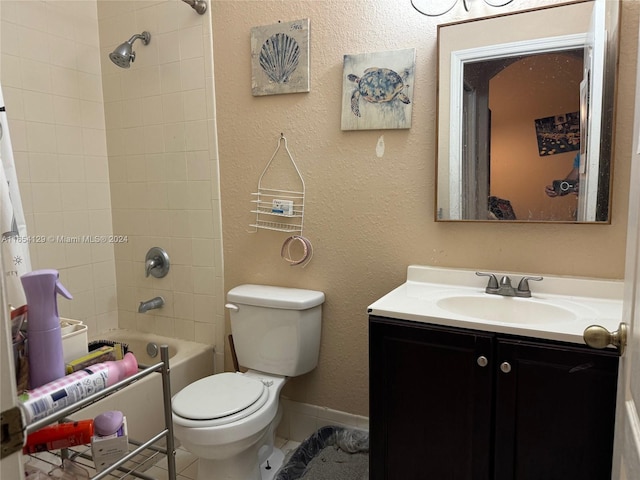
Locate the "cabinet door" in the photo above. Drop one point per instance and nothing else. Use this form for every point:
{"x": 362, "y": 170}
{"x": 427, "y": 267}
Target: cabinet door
{"x": 430, "y": 402}
{"x": 555, "y": 412}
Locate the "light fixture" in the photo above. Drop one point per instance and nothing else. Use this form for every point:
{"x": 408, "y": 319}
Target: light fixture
{"x": 435, "y": 8}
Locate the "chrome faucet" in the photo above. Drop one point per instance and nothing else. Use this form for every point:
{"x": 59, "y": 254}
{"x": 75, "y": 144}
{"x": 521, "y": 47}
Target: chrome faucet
{"x": 156, "y": 262}
{"x": 523, "y": 286}
{"x": 157, "y": 302}
{"x": 505, "y": 288}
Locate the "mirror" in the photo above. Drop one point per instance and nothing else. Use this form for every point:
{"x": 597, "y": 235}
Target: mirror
{"x": 525, "y": 123}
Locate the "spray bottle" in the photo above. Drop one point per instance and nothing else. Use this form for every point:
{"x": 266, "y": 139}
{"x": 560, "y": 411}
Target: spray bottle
{"x": 54, "y": 396}
{"x": 44, "y": 337}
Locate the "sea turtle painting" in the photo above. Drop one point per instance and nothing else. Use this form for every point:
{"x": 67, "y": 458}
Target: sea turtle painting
{"x": 377, "y": 90}
{"x": 378, "y": 85}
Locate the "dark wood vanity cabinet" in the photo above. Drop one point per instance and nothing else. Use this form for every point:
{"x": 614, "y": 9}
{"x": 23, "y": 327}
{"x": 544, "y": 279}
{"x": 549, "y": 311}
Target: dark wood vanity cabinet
{"x": 448, "y": 403}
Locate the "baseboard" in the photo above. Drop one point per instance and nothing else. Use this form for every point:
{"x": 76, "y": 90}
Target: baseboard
{"x": 300, "y": 420}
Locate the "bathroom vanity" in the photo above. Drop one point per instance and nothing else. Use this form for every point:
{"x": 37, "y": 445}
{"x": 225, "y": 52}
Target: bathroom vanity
{"x": 456, "y": 394}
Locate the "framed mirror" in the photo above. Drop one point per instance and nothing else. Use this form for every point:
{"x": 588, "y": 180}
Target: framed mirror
{"x": 525, "y": 115}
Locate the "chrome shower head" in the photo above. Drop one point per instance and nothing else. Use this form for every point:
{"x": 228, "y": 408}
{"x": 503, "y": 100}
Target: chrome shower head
{"x": 124, "y": 54}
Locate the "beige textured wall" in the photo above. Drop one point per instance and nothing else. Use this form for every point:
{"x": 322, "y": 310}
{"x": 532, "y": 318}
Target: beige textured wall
{"x": 368, "y": 217}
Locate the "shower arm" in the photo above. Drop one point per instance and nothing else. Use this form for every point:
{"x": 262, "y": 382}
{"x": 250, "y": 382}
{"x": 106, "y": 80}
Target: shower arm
{"x": 144, "y": 36}
{"x": 199, "y": 6}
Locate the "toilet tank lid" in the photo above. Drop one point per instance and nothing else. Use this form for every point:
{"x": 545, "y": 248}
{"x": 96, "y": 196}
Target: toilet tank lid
{"x": 275, "y": 297}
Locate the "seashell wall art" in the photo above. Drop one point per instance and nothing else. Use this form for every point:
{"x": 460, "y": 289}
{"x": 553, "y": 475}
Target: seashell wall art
{"x": 280, "y": 58}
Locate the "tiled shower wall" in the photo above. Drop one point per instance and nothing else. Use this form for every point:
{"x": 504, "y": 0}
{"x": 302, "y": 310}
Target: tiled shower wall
{"x": 102, "y": 150}
{"x": 163, "y": 167}
{"x": 53, "y": 93}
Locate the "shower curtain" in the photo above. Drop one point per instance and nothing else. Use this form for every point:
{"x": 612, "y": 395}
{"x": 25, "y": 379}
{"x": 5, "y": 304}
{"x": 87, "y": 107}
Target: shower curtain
{"x": 13, "y": 228}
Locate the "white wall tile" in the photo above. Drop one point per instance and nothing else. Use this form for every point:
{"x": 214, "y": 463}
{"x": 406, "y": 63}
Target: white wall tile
{"x": 64, "y": 81}
{"x": 168, "y": 47}
{"x": 34, "y": 44}
{"x": 41, "y": 137}
{"x": 35, "y": 75}
{"x": 71, "y": 168}
{"x": 191, "y": 42}
{"x": 44, "y": 167}
{"x": 192, "y": 73}
{"x": 67, "y": 110}
{"x": 156, "y": 185}
{"x": 170, "y": 76}
{"x": 69, "y": 139}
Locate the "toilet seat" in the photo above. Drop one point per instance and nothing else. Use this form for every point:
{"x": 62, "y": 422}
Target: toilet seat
{"x": 218, "y": 400}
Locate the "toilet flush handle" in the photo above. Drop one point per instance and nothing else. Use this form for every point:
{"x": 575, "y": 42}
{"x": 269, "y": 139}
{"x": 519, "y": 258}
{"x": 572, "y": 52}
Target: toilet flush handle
{"x": 233, "y": 307}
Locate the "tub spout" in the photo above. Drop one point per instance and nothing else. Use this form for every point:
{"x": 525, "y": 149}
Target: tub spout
{"x": 156, "y": 302}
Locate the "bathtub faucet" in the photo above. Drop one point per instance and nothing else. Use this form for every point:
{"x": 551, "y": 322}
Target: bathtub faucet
{"x": 156, "y": 302}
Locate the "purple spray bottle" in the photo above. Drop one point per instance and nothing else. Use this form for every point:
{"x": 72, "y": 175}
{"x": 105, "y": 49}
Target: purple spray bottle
{"x": 44, "y": 337}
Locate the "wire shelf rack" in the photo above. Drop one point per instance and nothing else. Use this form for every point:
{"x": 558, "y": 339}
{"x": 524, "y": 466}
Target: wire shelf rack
{"x": 276, "y": 209}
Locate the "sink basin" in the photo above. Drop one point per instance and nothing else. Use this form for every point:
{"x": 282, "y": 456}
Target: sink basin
{"x": 559, "y": 309}
{"x": 496, "y": 308}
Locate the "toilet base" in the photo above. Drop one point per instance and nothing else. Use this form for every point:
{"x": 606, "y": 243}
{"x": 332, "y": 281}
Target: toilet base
{"x": 240, "y": 469}
{"x": 272, "y": 464}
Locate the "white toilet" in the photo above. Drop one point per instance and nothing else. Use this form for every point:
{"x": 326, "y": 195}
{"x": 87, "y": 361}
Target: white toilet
{"x": 228, "y": 420}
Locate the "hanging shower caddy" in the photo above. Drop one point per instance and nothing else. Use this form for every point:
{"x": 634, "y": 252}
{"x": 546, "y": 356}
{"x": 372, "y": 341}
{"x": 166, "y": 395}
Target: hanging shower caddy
{"x": 280, "y": 209}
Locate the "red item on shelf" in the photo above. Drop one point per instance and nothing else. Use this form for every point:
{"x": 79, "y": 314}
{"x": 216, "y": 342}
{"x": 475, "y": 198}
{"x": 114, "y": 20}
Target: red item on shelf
{"x": 62, "y": 435}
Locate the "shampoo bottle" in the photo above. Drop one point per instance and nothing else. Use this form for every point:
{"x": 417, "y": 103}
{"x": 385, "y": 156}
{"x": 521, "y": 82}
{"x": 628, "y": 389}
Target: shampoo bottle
{"x": 44, "y": 337}
{"x": 54, "y": 396}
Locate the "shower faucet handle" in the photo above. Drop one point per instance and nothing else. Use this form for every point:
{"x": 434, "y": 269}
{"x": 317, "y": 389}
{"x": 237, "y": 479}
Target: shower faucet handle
{"x": 156, "y": 263}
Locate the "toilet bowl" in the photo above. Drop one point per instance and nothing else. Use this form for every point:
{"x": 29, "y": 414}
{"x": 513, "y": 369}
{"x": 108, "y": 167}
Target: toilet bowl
{"x": 228, "y": 420}
{"x": 233, "y": 433}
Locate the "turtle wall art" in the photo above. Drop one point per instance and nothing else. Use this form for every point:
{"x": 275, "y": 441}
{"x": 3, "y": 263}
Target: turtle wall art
{"x": 280, "y": 58}
{"x": 377, "y": 90}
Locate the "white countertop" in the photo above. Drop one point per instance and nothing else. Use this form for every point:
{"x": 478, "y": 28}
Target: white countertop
{"x": 592, "y": 301}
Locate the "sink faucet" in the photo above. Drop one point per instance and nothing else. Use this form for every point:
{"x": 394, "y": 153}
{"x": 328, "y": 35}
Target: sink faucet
{"x": 505, "y": 288}
{"x": 156, "y": 302}
{"x": 523, "y": 286}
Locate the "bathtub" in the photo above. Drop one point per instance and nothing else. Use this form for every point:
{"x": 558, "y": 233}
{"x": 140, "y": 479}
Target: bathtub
{"x": 141, "y": 402}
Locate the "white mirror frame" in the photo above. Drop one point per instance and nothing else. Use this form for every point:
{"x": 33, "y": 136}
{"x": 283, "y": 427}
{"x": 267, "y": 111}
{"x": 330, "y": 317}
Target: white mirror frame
{"x": 489, "y": 52}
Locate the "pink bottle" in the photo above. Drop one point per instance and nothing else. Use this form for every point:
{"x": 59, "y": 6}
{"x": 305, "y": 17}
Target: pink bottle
{"x": 54, "y": 396}
{"x": 44, "y": 337}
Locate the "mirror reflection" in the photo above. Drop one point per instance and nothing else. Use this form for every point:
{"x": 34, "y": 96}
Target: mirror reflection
{"x": 524, "y": 125}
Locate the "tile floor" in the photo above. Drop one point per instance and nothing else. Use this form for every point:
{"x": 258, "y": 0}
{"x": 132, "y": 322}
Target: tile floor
{"x": 186, "y": 464}
{"x": 187, "y": 467}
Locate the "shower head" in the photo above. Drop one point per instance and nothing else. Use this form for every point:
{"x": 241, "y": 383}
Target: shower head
{"x": 124, "y": 54}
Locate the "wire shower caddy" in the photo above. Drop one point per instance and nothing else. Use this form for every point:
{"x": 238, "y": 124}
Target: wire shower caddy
{"x": 280, "y": 210}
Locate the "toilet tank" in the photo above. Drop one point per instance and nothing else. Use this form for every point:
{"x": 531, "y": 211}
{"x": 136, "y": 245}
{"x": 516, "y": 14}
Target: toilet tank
{"x": 276, "y": 329}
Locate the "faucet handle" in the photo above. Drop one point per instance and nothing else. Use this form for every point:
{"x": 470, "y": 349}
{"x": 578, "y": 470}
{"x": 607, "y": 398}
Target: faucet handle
{"x": 156, "y": 262}
{"x": 523, "y": 287}
{"x": 492, "y": 285}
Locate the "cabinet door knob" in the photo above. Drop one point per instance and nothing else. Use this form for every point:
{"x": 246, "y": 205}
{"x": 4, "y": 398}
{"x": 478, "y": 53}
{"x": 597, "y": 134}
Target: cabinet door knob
{"x": 505, "y": 367}
{"x": 483, "y": 361}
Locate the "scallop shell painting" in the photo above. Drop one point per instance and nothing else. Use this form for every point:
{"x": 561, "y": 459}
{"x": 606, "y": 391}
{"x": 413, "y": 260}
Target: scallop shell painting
{"x": 280, "y": 58}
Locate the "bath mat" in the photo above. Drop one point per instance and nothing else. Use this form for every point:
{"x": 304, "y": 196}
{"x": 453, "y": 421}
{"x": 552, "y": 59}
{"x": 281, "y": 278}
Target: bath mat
{"x": 331, "y": 453}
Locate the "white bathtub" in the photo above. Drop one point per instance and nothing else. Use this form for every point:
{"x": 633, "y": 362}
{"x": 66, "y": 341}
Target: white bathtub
{"x": 141, "y": 402}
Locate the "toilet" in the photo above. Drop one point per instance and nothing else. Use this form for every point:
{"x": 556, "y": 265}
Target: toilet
{"x": 228, "y": 420}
